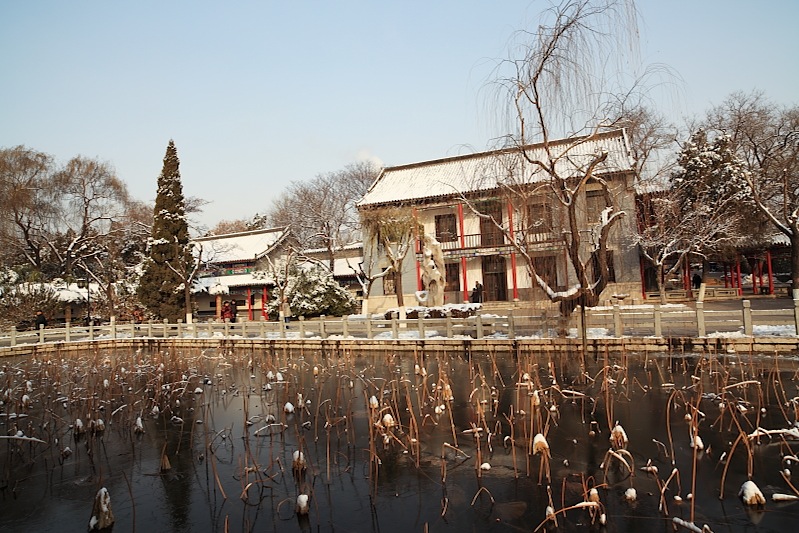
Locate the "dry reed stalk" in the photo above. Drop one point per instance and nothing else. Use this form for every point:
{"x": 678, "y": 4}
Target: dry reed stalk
{"x": 482, "y": 489}
{"x": 695, "y": 448}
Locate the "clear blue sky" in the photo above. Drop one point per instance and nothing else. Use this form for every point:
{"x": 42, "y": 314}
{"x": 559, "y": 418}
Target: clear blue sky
{"x": 258, "y": 94}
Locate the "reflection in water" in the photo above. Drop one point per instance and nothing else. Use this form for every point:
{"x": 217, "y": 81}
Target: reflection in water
{"x": 396, "y": 442}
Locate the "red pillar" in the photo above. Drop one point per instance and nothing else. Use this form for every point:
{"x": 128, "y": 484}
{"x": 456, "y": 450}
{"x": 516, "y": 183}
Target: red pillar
{"x": 249, "y": 303}
{"x": 770, "y": 272}
{"x": 757, "y": 280}
{"x": 512, "y": 254}
{"x": 463, "y": 259}
{"x": 738, "y": 275}
{"x": 686, "y": 275}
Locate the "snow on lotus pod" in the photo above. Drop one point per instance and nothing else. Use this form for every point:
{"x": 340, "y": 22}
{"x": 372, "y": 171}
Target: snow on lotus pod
{"x": 288, "y": 408}
{"x": 536, "y": 398}
{"x": 139, "y": 427}
{"x": 198, "y": 390}
{"x": 102, "y": 517}
{"x": 448, "y": 396}
{"x": 279, "y": 376}
{"x": 78, "y": 426}
{"x": 630, "y": 495}
{"x": 750, "y": 494}
{"x": 315, "y": 370}
{"x": 698, "y": 443}
{"x": 373, "y": 403}
{"x": 298, "y": 460}
{"x": 302, "y": 504}
{"x": 485, "y": 467}
{"x": 388, "y": 420}
{"x": 540, "y": 445}
{"x": 593, "y": 496}
{"x": 618, "y": 437}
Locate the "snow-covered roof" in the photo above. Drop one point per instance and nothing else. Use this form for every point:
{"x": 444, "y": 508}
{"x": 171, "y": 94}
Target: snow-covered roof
{"x": 64, "y": 292}
{"x": 317, "y": 251}
{"x": 240, "y": 247}
{"x": 222, "y": 284}
{"x": 486, "y": 170}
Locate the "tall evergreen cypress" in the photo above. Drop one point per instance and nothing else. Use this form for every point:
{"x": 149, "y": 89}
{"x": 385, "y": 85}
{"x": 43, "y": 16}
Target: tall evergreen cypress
{"x": 161, "y": 288}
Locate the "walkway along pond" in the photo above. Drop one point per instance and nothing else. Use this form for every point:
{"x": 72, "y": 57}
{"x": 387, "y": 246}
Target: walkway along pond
{"x": 661, "y": 327}
{"x": 237, "y": 431}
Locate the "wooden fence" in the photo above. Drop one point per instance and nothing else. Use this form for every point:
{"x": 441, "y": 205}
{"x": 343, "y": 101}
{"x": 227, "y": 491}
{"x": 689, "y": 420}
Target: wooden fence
{"x": 616, "y": 321}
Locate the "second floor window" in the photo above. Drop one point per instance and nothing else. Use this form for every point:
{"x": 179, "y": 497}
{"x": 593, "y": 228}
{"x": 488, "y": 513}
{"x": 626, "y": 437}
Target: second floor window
{"x": 490, "y": 233}
{"x": 539, "y": 217}
{"x": 594, "y": 205}
{"x": 446, "y": 228}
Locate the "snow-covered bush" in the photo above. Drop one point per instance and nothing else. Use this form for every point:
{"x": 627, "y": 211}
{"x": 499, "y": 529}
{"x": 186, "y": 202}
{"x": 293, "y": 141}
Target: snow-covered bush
{"x": 313, "y": 292}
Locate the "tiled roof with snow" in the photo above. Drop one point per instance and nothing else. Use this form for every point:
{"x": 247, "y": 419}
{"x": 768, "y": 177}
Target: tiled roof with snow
{"x": 240, "y": 247}
{"x": 222, "y": 284}
{"x": 485, "y": 171}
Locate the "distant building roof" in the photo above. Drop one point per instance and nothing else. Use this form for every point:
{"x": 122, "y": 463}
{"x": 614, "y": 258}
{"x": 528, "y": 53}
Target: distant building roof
{"x": 240, "y": 247}
{"x": 223, "y": 284}
{"x": 485, "y": 171}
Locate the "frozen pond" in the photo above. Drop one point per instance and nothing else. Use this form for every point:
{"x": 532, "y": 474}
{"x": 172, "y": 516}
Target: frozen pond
{"x": 203, "y": 441}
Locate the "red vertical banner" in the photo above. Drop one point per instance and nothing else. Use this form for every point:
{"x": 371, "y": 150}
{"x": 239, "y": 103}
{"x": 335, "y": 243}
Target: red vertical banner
{"x": 249, "y": 303}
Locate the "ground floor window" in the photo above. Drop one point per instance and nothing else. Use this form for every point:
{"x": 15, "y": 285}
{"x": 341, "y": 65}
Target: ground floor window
{"x": 453, "y": 277}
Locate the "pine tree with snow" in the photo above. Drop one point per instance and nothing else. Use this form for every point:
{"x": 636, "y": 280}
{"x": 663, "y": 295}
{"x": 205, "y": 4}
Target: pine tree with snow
{"x": 710, "y": 173}
{"x": 711, "y": 182}
{"x": 170, "y": 261}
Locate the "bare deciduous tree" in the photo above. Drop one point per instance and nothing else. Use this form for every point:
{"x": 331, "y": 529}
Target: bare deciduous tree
{"x": 27, "y": 208}
{"x": 321, "y": 213}
{"x": 393, "y": 231}
{"x": 558, "y": 87}
{"x": 766, "y": 137}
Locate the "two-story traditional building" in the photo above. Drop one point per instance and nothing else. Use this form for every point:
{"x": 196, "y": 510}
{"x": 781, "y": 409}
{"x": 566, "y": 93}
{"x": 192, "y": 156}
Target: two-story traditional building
{"x": 476, "y": 206}
{"x": 233, "y": 267}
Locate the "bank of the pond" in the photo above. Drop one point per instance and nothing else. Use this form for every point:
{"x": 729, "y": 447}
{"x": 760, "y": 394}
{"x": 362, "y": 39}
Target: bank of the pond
{"x": 710, "y": 345}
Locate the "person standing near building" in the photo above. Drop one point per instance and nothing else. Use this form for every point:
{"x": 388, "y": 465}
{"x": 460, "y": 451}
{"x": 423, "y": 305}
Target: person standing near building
{"x": 477, "y": 293}
{"x": 226, "y": 311}
{"x": 234, "y": 310}
{"x": 286, "y": 308}
{"x": 40, "y": 320}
